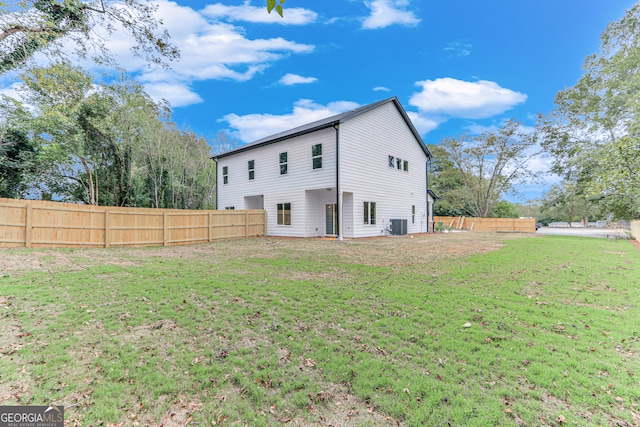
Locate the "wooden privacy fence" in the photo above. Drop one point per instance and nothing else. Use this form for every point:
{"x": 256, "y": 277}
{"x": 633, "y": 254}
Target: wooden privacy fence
{"x": 524, "y": 225}
{"x": 34, "y": 223}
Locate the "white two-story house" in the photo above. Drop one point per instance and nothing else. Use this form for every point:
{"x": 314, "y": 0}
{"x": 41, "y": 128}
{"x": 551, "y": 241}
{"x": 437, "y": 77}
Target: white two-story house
{"x": 362, "y": 173}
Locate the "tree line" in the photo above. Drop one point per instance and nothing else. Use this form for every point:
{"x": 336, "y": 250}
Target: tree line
{"x": 100, "y": 144}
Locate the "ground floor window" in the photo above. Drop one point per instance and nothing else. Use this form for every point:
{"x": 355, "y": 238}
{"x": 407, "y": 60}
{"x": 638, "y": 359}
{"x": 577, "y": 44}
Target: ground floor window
{"x": 284, "y": 213}
{"x": 413, "y": 214}
{"x": 370, "y": 213}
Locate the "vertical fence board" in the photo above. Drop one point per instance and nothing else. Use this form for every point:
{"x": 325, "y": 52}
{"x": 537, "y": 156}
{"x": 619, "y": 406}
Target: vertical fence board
{"x": 28, "y": 226}
{"x": 107, "y": 232}
{"x": 12, "y": 224}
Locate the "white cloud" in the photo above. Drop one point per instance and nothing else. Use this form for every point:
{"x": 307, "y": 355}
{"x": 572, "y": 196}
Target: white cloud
{"x": 389, "y": 12}
{"x": 458, "y": 48}
{"x": 212, "y": 51}
{"x": 381, "y": 89}
{"x": 542, "y": 165}
{"x": 248, "y": 13}
{"x": 294, "y": 79}
{"x": 179, "y": 93}
{"x": 449, "y": 97}
{"x": 209, "y": 50}
{"x": 252, "y": 127}
{"x": 422, "y": 124}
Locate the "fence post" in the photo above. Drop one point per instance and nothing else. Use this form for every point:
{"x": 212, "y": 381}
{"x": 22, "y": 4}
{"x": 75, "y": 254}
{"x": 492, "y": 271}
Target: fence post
{"x": 107, "y": 231}
{"x": 27, "y": 226}
{"x": 246, "y": 224}
{"x": 165, "y": 228}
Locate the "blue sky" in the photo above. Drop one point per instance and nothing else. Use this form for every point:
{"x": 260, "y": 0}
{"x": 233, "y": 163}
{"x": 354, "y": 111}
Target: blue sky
{"x": 457, "y": 66}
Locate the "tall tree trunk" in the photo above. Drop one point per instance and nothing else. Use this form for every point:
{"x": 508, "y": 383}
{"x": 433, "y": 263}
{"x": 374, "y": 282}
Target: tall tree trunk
{"x": 91, "y": 189}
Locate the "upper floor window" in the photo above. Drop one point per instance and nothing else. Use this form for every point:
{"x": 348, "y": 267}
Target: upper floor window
{"x": 225, "y": 174}
{"x": 252, "y": 170}
{"x": 370, "y": 213}
{"x": 283, "y": 163}
{"x": 398, "y": 163}
{"x": 316, "y": 155}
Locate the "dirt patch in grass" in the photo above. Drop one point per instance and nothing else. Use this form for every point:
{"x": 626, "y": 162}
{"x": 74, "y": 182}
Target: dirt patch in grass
{"x": 15, "y": 261}
{"x": 335, "y": 406}
{"x": 387, "y": 251}
{"x": 10, "y": 261}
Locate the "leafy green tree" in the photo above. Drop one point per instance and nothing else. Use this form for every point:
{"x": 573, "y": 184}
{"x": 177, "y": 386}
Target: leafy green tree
{"x": 504, "y": 209}
{"x": 17, "y": 161}
{"x": 444, "y": 179}
{"x": 567, "y": 202}
{"x": 488, "y": 165}
{"x": 31, "y": 26}
{"x": 59, "y": 93}
{"x": 529, "y": 209}
{"x": 594, "y": 132}
{"x": 110, "y": 144}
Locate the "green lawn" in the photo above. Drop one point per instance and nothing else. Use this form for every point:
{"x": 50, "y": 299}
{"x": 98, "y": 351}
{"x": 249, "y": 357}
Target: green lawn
{"x": 470, "y": 329}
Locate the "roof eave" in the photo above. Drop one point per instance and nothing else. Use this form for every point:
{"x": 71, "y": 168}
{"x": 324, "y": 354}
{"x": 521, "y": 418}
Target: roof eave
{"x": 340, "y": 118}
{"x": 249, "y": 147}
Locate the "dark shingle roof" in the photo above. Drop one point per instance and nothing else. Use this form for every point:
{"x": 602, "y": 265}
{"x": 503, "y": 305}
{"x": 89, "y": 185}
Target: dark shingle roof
{"x": 325, "y": 123}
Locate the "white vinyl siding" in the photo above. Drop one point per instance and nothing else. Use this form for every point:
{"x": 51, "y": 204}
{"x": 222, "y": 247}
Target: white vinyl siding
{"x": 381, "y": 161}
{"x": 296, "y": 199}
{"x": 368, "y": 174}
{"x": 273, "y": 188}
{"x": 316, "y": 203}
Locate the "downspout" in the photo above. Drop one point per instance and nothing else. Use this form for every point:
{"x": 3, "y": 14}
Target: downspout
{"x": 216, "y": 162}
{"x": 427, "y": 181}
{"x": 338, "y": 192}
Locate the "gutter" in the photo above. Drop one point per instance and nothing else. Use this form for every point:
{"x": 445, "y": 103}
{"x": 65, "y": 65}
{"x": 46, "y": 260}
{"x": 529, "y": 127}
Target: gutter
{"x": 215, "y": 160}
{"x": 338, "y": 197}
{"x": 427, "y": 195}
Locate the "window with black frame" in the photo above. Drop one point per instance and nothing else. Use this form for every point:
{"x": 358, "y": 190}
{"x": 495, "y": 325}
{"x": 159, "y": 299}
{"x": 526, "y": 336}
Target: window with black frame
{"x": 283, "y": 163}
{"x": 316, "y": 156}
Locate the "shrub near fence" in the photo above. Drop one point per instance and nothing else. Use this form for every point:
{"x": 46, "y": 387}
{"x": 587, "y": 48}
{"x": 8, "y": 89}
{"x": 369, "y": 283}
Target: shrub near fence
{"x": 34, "y": 223}
{"x": 523, "y": 225}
